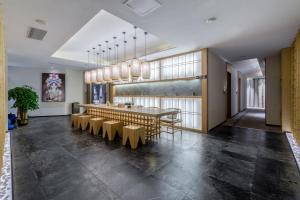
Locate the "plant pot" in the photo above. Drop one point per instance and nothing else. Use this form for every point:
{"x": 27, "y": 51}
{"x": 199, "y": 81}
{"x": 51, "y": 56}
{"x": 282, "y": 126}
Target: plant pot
{"x": 22, "y": 118}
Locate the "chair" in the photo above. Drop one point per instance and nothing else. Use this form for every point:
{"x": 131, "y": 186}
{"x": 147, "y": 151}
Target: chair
{"x": 173, "y": 122}
{"x": 111, "y": 128}
{"x": 83, "y": 121}
{"x": 95, "y": 125}
{"x": 134, "y": 134}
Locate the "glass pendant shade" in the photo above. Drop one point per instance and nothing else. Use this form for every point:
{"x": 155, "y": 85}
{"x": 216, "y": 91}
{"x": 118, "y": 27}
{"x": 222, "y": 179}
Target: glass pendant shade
{"x": 115, "y": 76}
{"x": 94, "y": 76}
{"x": 100, "y": 75}
{"x": 107, "y": 74}
{"x": 135, "y": 69}
{"x": 124, "y": 71}
{"x": 87, "y": 77}
{"x": 146, "y": 73}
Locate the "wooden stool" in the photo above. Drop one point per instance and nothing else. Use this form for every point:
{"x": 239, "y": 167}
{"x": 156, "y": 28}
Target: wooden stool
{"x": 96, "y": 124}
{"x": 74, "y": 119}
{"x": 83, "y": 121}
{"x": 134, "y": 133}
{"x": 111, "y": 128}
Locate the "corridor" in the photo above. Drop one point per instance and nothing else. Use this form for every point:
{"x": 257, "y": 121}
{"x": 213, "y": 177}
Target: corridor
{"x": 252, "y": 118}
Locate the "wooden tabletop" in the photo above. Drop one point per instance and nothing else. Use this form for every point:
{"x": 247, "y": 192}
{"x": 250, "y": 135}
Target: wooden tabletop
{"x": 153, "y": 112}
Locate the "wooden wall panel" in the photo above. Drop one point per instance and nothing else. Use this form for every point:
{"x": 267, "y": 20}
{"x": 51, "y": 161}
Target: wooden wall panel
{"x": 291, "y": 89}
{"x": 204, "y": 65}
{"x": 286, "y": 89}
{"x": 296, "y": 89}
{"x": 3, "y": 92}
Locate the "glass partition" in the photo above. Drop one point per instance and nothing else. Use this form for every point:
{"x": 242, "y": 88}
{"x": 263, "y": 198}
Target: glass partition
{"x": 180, "y": 76}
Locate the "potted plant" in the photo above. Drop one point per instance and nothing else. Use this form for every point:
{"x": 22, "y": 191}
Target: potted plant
{"x": 25, "y": 99}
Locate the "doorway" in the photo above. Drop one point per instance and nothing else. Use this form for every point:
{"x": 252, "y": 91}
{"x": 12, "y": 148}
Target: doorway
{"x": 228, "y": 95}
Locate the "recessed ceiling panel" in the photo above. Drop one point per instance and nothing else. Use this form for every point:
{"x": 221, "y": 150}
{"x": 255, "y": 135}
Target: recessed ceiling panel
{"x": 102, "y": 27}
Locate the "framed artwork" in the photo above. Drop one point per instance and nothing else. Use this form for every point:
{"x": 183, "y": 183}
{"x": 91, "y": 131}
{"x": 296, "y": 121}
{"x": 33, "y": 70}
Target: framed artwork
{"x": 99, "y": 93}
{"x": 53, "y": 87}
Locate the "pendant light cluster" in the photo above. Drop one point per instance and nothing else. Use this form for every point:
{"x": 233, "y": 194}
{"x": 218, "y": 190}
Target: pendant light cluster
{"x": 115, "y": 69}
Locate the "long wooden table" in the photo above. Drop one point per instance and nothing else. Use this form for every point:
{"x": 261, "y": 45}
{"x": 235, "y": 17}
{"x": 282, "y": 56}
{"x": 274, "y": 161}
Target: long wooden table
{"x": 147, "y": 117}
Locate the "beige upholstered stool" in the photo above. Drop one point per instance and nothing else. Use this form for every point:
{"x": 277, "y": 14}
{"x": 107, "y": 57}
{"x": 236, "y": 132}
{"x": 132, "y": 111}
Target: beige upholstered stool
{"x": 74, "y": 119}
{"x": 133, "y": 133}
{"x": 83, "y": 121}
{"x": 111, "y": 128}
{"x": 96, "y": 124}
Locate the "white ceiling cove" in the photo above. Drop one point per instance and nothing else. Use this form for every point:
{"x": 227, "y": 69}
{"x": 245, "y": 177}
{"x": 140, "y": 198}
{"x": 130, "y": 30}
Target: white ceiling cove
{"x": 103, "y": 27}
{"x": 243, "y": 29}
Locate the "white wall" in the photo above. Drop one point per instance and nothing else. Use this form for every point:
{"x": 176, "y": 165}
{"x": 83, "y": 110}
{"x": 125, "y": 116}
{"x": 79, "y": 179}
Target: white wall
{"x": 243, "y": 92}
{"x": 216, "y": 94}
{"x": 235, "y": 75}
{"x": 33, "y": 77}
{"x": 273, "y": 95}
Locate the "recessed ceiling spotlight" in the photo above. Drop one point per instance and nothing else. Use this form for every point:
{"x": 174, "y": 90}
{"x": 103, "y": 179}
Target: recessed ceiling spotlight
{"x": 40, "y": 21}
{"x": 210, "y": 20}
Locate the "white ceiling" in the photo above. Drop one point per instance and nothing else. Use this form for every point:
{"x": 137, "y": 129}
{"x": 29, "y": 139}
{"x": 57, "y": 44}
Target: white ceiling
{"x": 244, "y": 29}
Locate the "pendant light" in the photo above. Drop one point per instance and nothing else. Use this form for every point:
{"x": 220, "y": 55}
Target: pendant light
{"x": 87, "y": 74}
{"x": 107, "y": 69}
{"x": 99, "y": 76}
{"x": 115, "y": 68}
{"x": 100, "y": 70}
{"x": 94, "y": 72}
{"x": 135, "y": 63}
{"x": 124, "y": 65}
{"x": 146, "y": 73}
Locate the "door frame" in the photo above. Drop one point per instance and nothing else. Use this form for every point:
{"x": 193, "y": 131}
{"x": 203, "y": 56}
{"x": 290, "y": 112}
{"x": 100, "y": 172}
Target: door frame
{"x": 228, "y": 77}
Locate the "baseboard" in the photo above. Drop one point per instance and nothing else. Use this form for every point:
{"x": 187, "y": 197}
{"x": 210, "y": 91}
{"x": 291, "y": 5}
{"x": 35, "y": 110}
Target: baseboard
{"x": 273, "y": 125}
{"x": 49, "y": 116}
{"x": 217, "y": 126}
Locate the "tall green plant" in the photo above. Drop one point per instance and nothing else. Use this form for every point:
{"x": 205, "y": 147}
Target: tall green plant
{"x": 25, "y": 98}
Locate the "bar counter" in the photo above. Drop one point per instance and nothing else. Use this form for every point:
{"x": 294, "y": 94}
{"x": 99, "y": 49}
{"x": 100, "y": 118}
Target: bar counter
{"x": 142, "y": 116}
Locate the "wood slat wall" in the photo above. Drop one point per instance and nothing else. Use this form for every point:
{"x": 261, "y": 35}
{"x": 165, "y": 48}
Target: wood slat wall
{"x": 286, "y": 89}
{"x": 3, "y": 92}
{"x": 290, "y": 89}
{"x": 296, "y": 89}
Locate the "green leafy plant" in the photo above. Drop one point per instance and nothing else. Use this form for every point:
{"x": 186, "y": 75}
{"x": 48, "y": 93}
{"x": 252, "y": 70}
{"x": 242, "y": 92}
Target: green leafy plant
{"x": 25, "y": 98}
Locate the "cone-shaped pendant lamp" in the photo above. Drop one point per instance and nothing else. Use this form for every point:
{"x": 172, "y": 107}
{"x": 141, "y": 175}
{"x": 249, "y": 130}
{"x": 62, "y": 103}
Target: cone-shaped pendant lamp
{"x": 146, "y": 73}
{"x": 124, "y": 65}
{"x": 107, "y": 69}
{"x": 135, "y": 63}
{"x": 87, "y": 74}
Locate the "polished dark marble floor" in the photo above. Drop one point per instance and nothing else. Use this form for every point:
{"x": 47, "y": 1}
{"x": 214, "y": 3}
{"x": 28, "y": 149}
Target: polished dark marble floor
{"x": 52, "y": 161}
